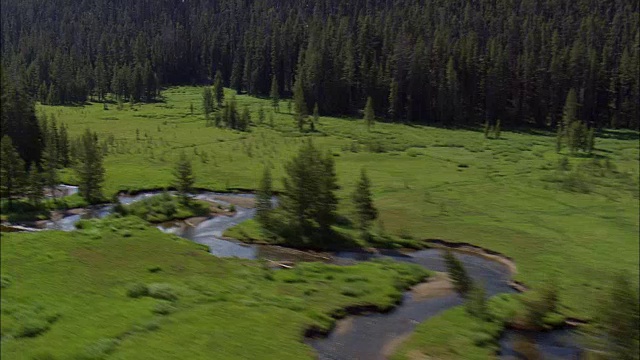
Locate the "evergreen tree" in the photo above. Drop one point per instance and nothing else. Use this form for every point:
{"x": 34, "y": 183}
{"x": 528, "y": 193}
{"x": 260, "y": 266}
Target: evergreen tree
{"x": 34, "y": 186}
{"x": 263, "y": 199}
{"x": 497, "y": 129}
{"x": 49, "y": 167}
{"x": 476, "y": 303}
{"x": 369, "y": 114}
{"x": 12, "y": 173}
{"x": 461, "y": 281}
{"x": 316, "y": 115}
{"x": 274, "y": 94}
{"x": 299, "y": 100}
{"x": 309, "y": 201}
{"x": 218, "y": 87}
{"x": 619, "y": 323}
{"x": 90, "y": 170}
{"x": 366, "y": 212}
{"x": 207, "y": 101}
{"x": 245, "y": 119}
{"x": 183, "y": 177}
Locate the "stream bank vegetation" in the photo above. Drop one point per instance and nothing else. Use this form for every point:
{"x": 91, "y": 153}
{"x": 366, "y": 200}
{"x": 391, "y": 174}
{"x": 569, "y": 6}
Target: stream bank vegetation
{"x": 160, "y": 292}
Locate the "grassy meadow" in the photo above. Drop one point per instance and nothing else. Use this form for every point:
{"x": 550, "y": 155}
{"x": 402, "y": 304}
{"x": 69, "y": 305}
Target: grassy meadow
{"x": 575, "y": 220}
{"x": 122, "y": 289}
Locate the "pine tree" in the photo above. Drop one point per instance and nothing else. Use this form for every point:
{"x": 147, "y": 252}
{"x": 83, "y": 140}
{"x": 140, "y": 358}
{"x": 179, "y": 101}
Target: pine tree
{"x": 369, "y": 114}
{"x": 487, "y": 128}
{"x": 12, "y": 173}
{"x": 497, "y": 129}
{"x": 274, "y": 94}
{"x": 366, "y": 212}
{"x": 90, "y": 170}
{"x": 63, "y": 146}
{"x": 263, "y": 199}
{"x": 207, "y": 101}
{"x": 183, "y": 177}
{"x": 34, "y": 186}
{"x": 476, "y": 303}
{"x": 309, "y": 201}
{"x": 218, "y": 87}
{"x": 559, "y": 138}
{"x": 245, "y": 119}
{"x": 299, "y": 100}
{"x": 620, "y": 321}
{"x": 49, "y": 167}
{"x": 461, "y": 281}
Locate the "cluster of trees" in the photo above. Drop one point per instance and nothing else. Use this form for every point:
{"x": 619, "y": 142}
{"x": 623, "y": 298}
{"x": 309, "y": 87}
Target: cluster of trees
{"x": 447, "y": 62}
{"x": 308, "y": 204}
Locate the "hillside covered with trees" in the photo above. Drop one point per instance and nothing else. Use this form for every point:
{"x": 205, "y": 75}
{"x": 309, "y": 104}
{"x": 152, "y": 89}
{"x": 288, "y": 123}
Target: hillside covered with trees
{"x": 454, "y": 63}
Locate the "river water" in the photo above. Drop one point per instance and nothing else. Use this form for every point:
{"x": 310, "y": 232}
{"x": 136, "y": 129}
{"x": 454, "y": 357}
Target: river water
{"x": 367, "y": 337}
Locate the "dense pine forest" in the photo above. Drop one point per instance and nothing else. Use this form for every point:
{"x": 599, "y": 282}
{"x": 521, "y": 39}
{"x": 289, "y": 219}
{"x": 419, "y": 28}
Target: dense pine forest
{"x": 450, "y": 63}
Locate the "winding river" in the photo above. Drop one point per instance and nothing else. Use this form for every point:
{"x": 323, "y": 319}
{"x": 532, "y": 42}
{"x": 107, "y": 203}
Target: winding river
{"x": 372, "y": 336}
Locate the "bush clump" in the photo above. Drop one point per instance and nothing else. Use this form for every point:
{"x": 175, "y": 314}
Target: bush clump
{"x": 163, "y": 308}
{"x": 163, "y": 292}
{"x": 137, "y": 290}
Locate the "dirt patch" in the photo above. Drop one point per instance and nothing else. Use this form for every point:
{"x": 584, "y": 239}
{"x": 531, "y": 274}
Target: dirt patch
{"x": 390, "y": 347}
{"x": 436, "y": 286}
{"x": 244, "y": 202}
{"x": 344, "y": 326}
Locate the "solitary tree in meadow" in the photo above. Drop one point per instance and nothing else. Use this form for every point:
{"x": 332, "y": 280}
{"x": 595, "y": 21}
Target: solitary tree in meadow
{"x": 369, "y": 114}
{"x": 461, "y": 281}
{"x": 183, "y": 177}
{"x": 366, "y": 212}
{"x": 90, "y": 170}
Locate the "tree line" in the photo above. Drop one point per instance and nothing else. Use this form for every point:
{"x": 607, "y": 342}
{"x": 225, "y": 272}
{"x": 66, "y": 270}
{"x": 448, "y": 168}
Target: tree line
{"x": 445, "y": 62}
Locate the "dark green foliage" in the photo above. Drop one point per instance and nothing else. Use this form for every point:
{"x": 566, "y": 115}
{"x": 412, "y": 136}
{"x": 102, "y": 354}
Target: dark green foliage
{"x": 263, "y": 199}
{"x": 366, "y": 212}
{"x": 261, "y": 115}
{"x": 90, "y": 170}
{"x": 497, "y": 129}
{"x": 245, "y": 119}
{"x": 34, "y": 187}
{"x": 165, "y": 207}
{"x": 316, "y": 116}
{"x": 618, "y": 322}
{"x": 274, "y": 94}
{"x": 369, "y": 114}
{"x": 539, "y": 305}
{"x": 218, "y": 88}
{"x": 517, "y": 67}
{"x": 487, "y": 128}
{"x": 309, "y": 202}
{"x": 12, "y": 172}
{"x": 137, "y": 290}
{"x": 183, "y": 177}
{"x": 476, "y": 302}
{"x": 461, "y": 281}
{"x": 207, "y": 101}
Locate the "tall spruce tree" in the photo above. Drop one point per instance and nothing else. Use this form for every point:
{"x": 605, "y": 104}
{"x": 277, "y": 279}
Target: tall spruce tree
{"x": 218, "y": 88}
{"x": 89, "y": 169}
{"x": 309, "y": 201}
{"x": 274, "y": 94}
{"x": 207, "y": 101}
{"x": 369, "y": 114}
{"x": 183, "y": 177}
{"x": 366, "y": 212}
{"x": 461, "y": 281}
{"x": 34, "y": 186}
{"x": 12, "y": 172}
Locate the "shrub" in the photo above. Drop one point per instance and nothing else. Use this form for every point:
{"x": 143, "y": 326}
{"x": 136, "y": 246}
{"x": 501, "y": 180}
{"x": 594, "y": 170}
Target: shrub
{"x": 5, "y": 281}
{"x": 163, "y": 292}
{"x": 100, "y": 349}
{"x": 163, "y": 308}
{"x": 413, "y": 152}
{"x": 32, "y": 327}
{"x": 154, "y": 269}
{"x": 137, "y": 290}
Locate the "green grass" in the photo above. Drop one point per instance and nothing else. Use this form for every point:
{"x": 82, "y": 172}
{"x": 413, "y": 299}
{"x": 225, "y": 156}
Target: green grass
{"x": 165, "y": 207}
{"x": 23, "y": 210}
{"x": 579, "y": 225}
{"x": 72, "y": 296}
{"x": 454, "y": 334}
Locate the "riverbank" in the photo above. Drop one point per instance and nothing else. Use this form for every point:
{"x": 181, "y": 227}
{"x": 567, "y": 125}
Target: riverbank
{"x": 63, "y": 281}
